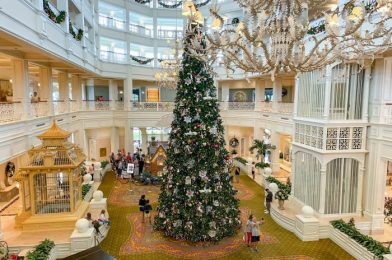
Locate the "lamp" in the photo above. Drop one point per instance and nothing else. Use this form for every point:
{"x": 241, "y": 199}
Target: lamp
{"x": 188, "y": 8}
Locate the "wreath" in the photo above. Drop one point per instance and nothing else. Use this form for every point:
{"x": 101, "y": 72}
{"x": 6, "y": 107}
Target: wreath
{"x": 10, "y": 169}
{"x": 234, "y": 142}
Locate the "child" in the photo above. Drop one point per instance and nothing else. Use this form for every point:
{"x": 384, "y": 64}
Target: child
{"x": 147, "y": 209}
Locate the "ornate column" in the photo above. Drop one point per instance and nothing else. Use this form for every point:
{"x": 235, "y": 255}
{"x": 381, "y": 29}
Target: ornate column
{"x": 128, "y": 92}
{"x": 323, "y": 182}
{"x": 77, "y": 95}
{"x": 128, "y": 139}
{"x": 46, "y": 90}
{"x": 144, "y": 140}
{"x": 113, "y": 93}
{"x": 20, "y": 86}
{"x": 277, "y": 94}
{"x": 275, "y": 140}
{"x": 259, "y": 94}
{"x": 328, "y": 87}
{"x": 64, "y": 90}
{"x": 360, "y": 191}
{"x": 225, "y": 96}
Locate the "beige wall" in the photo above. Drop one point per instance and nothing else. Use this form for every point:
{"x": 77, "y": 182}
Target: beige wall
{"x": 102, "y": 136}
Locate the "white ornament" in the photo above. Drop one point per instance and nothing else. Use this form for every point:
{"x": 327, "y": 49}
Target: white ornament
{"x": 188, "y": 180}
{"x": 267, "y": 171}
{"x": 97, "y": 195}
{"x": 82, "y": 225}
{"x": 273, "y": 187}
{"x": 216, "y": 203}
{"x": 87, "y": 178}
{"x": 307, "y": 211}
{"x": 212, "y": 233}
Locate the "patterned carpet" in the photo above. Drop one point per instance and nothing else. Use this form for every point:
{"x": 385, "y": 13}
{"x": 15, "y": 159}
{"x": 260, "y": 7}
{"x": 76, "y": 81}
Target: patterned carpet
{"x": 129, "y": 238}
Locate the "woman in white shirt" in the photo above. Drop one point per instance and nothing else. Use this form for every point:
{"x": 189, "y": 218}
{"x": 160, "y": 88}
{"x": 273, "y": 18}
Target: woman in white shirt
{"x": 256, "y": 233}
{"x": 103, "y": 219}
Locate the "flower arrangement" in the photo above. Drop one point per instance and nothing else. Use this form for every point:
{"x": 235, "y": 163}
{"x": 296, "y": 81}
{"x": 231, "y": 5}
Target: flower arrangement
{"x": 281, "y": 195}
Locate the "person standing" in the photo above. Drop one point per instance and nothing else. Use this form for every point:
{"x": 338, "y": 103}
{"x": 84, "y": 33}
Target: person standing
{"x": 237, "y": 174}
{"x": 268, "y": 201}
{"x": 142, "y": 203}
{"x": 256, "y": 233}
{"x": 253, "y": 170}
{"x": 147, "y": 209}
{"x": 141, "y": 164}
{"x": 248, "y": 230}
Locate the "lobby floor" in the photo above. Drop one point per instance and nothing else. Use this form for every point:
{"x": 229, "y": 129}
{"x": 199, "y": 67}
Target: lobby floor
{"x": 129, "y": 238}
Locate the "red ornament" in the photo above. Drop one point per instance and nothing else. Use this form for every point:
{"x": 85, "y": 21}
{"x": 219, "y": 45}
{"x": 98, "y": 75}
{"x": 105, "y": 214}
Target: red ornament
{"x": 216, "y": 146}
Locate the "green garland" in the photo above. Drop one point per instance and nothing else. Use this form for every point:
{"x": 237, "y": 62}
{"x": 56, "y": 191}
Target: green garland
{"x": 52, "y": 16}
{"x": 179, "y": 3}
{"x": 85, "y": 189}
{"x": 317, "y": 29}
{"x": 285, "y": 188}
{"x": 41, "y": 251}
{"x": 77, "y": 36}
{"x": 262, "y": 165}
{"x": 103, "y": 164}
{"x": 241, "y": 160}
{"x": 142, "y": 1}
{"x": 140, "y": 61}
{"x": 369, "y": 243}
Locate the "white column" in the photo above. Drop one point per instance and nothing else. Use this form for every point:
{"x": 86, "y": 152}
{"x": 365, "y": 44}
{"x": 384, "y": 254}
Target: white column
{"x": 328, "y": 87}
{"x": 20, "y": 85}
{"x": 275, "y": 140}
{"x": 143, "y": 131}
{"x": 365, "y": 96}
{"x": 277, "y": 94}
{"x": 259, "y": 94}
{"x": 46, "y": 89}
{"x": 296, "y": 88}
{"x": 128, "y": 92}
{"x": 63, "y": 6}
{"x": 128, "y": 139}
{"x": 323, "y": 183}
{"x": 77, "y": 93}
{"x": 361, "y": 174}
{"x": 90, "y": 90}
{"x": 64, "y": 89}
{"x": 114, "y": 140}
{"x": 113, "y": 93}
{"x": 225, "y": 96}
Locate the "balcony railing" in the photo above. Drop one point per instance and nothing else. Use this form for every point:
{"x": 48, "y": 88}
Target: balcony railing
{"x": 13, "y": 111}
{"x": 115, "y": 57}
{"x": 10, "y": 111}
{"x": 111, "y": 22}
{"x": 170, "y": 34}
{"x": 141, "y": 30}
{"x": 39, "y": 109}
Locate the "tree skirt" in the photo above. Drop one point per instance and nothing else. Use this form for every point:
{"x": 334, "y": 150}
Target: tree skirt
{"x": 122, "y": 196}
{"x": 144, "y": 240}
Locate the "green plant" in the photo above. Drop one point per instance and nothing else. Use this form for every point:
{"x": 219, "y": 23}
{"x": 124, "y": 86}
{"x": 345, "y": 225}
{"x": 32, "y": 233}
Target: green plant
{"x": 234, "y": 151}
{"x": 85, "y": 189}
{"x": 285, "y": 188}
{"x": 281, "y": 195}
{"x": 262, "y": 165}
{"x": 41, "y": 251}
{"x": 103, "y": 164}
{"x": 369, "y": 243}
{"x": 241, "y": 160}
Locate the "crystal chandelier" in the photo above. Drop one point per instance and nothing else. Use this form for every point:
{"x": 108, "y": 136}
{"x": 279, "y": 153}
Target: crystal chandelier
{"x": 167, "y": 77}
{"x": 278, "y": 36}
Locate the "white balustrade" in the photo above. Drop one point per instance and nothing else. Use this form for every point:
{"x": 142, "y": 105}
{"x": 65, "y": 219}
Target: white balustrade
{"x": 59, "y": 107}
{"x": 111, "y": 22}
{"x": 153, "y": 106}
{"x": 241, "y": 106}
{"x": 266, "y": 107}
{"x": 135, "y": 28}
{"x": 119, "y": 105}
{"x": 115, "y": 57}
{"x": 89, "y": 105}
{"x": 170, "y": 34}
{"x": 10, "y": 111}
{"x": 286, "y": 108}
{"x": 75, "y": 106}
{"x": 39, "y": 109}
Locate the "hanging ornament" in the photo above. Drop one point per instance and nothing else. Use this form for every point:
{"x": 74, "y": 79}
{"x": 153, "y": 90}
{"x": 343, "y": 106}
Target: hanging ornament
{"x": 189, "y": 193}
{"x": 216, "y": 203}
{"x": 212, "y": 225}
{"x": 187, "y": 119}
{"x": 188, "y": 180}
{"x": 212, "y": 233}
{"x": 203, "y": 174}
{"x": 213, "y": 130}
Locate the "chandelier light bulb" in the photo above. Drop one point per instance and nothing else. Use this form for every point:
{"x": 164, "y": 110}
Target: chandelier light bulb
{"x": 216, "y": 24}
{"x": 188, "y": 8}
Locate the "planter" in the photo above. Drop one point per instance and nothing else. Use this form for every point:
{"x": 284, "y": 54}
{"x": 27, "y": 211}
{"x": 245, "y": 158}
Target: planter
{"x": 281, "y": 203}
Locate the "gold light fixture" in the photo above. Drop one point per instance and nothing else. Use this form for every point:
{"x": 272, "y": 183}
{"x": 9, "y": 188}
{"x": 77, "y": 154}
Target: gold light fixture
{"x": 279, "y": 36}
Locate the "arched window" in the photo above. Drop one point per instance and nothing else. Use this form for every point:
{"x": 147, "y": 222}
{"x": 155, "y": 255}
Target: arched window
{"x": 341, "y": 186}
{"x": 307, "y": 179}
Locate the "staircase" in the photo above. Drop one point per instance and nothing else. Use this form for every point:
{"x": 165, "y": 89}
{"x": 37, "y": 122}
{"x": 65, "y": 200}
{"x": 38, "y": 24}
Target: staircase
{"x": 94, "y": 253}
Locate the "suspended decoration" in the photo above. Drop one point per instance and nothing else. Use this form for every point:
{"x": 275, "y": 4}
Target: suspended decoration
{"x": 164, "y": 4}
{"x": 234, "y": 142}
{"x": 167, "y": 77}
{"x": 143, "y": 2}
{"x": 52, "y": 16}
{"x": 141, "y": 60}
{"x": 274, "y": 36}
{"x": 77, "y": 36}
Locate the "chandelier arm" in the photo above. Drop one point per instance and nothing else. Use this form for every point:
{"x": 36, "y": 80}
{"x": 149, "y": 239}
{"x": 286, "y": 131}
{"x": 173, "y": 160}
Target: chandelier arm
{"x": 317, "y": 44}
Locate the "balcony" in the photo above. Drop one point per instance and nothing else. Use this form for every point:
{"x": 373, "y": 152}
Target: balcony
{"x": 114, "y": 57}
{"x": 170, "y": 34}
{"x": 141, "y": 30}
{"x": 10, "y": 112}
{"x": 110, "y": 22}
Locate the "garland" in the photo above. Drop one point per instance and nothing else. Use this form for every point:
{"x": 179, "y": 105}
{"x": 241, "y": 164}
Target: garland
{"x": 140, "y": 61}
{"x": 41, "y": 251}
{"x": 178, "y": 4}
{"x": 241, "y": 160}
{"x": 52, "y": 16}
{"x": 77, "y": 36}
{"x": 369, "y": 243}
{"x": 142, "y": 1}
{"x": 317, "y": 29}
{"x": 283, "y": 187}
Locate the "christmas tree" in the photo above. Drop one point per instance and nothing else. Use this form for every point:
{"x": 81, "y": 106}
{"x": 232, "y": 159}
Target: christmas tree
{"x": 197, "y": 201}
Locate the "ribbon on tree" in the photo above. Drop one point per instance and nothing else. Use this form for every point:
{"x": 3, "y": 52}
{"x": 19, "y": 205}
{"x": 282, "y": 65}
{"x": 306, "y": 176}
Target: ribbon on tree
{"x": 143, "y": 61}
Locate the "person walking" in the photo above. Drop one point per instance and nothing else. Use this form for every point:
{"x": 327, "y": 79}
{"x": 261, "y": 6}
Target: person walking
{"x": 237, "y": 174}
{"x": 141, "y": 164}
{"x": 248, "y": 230}
{"x": 147, "y": 209}
{"x": 253, "y": 170}
{"x": 268, "y": 201}
{"x": 256, "y": 233}
{"x": 142, "y": 203}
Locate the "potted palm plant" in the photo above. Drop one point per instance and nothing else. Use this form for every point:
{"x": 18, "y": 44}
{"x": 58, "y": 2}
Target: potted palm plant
{"x": 261, "y": 147}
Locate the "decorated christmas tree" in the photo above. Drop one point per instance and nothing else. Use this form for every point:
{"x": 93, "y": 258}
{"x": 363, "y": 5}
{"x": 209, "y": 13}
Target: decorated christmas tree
{"x": 197, "y": 201}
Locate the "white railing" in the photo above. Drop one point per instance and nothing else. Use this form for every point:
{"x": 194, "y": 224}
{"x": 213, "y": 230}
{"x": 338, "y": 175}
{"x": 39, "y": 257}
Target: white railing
{"x": 266, "y": 106}
{"x": 89, "y": 105}
{"x": 153, "y": 106}
{"x": 149, "y": 4}
{"x": 89, "y": 45}
{"x": 241, "y": 106}
{"x": 74, "y": 106}
{"x": 111, "y": 22}
{"x": 170, "y": 2}
{"x": 114, "y": 57}
{"x": 286, "y": 108}
{"x": 10, "y": 112}
{"x": 119, "y": 105}
{"x": 39, "y": 109}
{"x": 135, "y": 28}
{"x": 170, "y": 34}
{"x": 59, "y": 107}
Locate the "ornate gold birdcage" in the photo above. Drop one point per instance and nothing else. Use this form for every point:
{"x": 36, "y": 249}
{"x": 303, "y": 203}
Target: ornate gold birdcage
{"x": 51, "y": 182}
